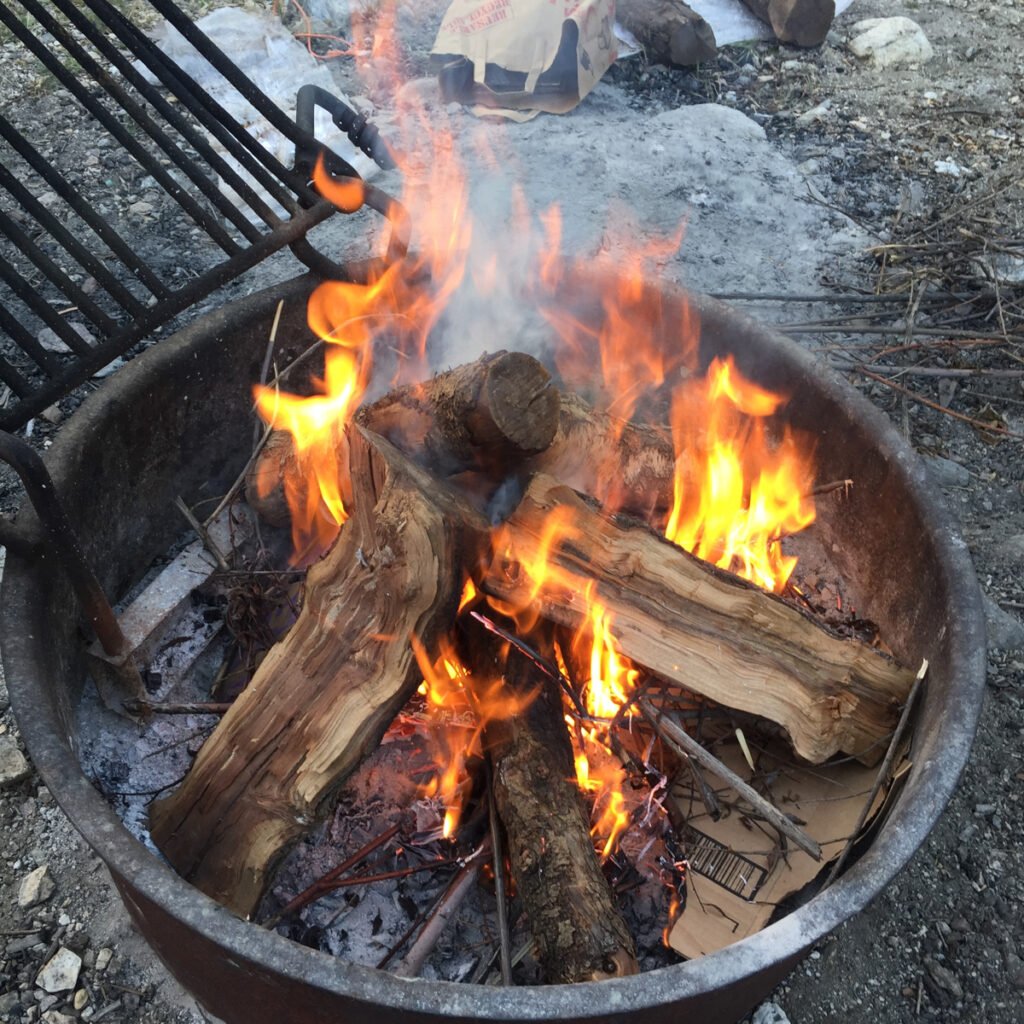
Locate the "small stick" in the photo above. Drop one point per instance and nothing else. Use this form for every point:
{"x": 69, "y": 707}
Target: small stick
{"x": 835, "y": 485}
{"x": 682, "y": 743}
{"x": 182, "y": 708}
{"x": 930, "y": 371}
{"x": 240, "y": 479}
{"x": 458, "y": 890}
{"x": 921, "y": 400}
{"x": 315, "y": 890}
{"x": 883, "y": 772}
{"x": 202, "y": 533}
{"x": 499, "y": 889}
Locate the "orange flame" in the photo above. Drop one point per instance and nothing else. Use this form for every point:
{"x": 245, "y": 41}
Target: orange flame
{"x": 737, "y": 493}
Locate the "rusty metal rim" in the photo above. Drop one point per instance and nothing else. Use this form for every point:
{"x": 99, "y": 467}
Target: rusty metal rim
{"x": 23, "y": 627}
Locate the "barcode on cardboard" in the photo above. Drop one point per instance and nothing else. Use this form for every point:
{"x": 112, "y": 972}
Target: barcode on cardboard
{"x": 715, "y": 861}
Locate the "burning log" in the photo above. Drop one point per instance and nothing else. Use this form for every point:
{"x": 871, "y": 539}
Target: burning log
{"x": 803, "y": 22}
{"x": 324, "y": 696}
{"x": 708, "y": 631}
{"x": 627, "y": 465}
{"x": 668, "y": 30}
{"x": 487, "y": 415}
{"x": 578, "y": 931}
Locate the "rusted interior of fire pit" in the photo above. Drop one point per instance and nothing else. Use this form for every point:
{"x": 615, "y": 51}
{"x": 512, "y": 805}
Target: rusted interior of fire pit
{"x": 169, "y": 425}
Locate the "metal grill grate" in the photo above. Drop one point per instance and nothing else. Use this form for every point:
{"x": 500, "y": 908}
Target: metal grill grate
{"x": 65, "y": 255}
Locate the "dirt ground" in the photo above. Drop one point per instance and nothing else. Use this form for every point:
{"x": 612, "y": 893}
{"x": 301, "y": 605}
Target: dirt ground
{"x": 918, "y": 170}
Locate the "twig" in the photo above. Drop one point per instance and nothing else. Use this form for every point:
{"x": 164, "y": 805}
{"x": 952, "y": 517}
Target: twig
{"x": 321, "y": 885}
{"x": 499, "y": 887}
{"x": 928, "y": 371}
{"x": 202, "y": 533}
{"x": 834, "y": 485}
{"x": 839, "y": 299}
{"x": 883, "y": 772}
{"x": 682, "y": 743}
{"x": 921, "y": 400}
{"x": 182, "y": 708}
{"x": 240, "y": 479}
{"x": 458, "y": 890}
{"x": 895, "y": 332}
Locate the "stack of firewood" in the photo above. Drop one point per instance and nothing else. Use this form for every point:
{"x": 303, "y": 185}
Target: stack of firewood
{"x": 424, "y": 464}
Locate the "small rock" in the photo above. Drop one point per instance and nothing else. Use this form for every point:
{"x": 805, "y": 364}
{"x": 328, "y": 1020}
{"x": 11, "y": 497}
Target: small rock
{"x": 60, "y": 973}
{"x": 13, "y": 766}
{"x": 769, "y": 1013}
{"x": 1005, "y": 632}
{"x": 81, "y": 998}
{"x": 815, "y": 114}
{"x": 36, "y": 887}
{"x": 56, "y": 1017}
{"x": 944, "y": 978}
{"x": 890, "y": 42}
{"x": 948, "y": 166}
{"x": 140, "y": 208}
{"x": 103, "y": 958}
{"x": 946, "y": 472}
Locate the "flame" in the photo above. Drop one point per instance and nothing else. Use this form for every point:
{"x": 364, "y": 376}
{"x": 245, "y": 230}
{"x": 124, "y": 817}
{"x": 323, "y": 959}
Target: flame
{"x": 736, "y": 491}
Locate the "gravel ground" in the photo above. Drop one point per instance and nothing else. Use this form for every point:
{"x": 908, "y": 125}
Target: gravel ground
{"x": 895, "y": 151}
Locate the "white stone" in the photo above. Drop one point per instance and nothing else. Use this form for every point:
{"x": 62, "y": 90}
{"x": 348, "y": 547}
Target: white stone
{"x": 60, "y": 973}
{"x": 13, "y": 766}
{"x": 103, "y": 958}
{"x": 948, "y": 166}
{"x": 51, "y": 341}
{"x": 56, "y": 1017}
{"x": 770, "y": 1013}
{"x": 81, "y": 998}
{"x": 36, "y": 887}
{"x": 890, "y": 42}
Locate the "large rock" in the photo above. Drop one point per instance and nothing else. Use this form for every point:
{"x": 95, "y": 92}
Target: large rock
{"x": 60, "y": 972}
{"x": 36, "y": 887}
{"x": 13, "y": 766}
{"x": 890, "y": 42}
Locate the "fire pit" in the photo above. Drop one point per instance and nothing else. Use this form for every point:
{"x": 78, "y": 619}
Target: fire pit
{"x": 168, "y": 425}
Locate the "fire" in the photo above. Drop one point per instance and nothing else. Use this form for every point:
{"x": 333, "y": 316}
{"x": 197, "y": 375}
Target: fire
{"x": 737, "y": 493}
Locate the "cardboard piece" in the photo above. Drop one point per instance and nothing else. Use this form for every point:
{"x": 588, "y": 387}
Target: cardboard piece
{"x": 514, "y": 58}
{"x": 736, "y": 877}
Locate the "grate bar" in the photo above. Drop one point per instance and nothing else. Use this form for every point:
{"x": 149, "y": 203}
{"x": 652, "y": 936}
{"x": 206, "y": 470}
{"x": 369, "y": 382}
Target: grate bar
{"x": 10, "y": 376}
{"x": 72, "y": 246}
{"x": 181, "y": 124}
{"x": 29, "y": 345}
{"x": 117, "y": 245}
{"x": 189, "y": 91}
{"x": 138, "y": 114}
{"x": 213, "y": 117}
{"x": 180, "y": 300}
{"x": 201, "y": 216}
{"x": 60, "y": 280}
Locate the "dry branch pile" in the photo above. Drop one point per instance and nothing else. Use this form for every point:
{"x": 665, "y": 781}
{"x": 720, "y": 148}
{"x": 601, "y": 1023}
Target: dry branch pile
{"x": 424, "y": 464}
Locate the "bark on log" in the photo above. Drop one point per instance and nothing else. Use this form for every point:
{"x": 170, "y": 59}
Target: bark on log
{"x": 324, "y": 695}
{"x": 803, "y": 22}
{"x": 578, "y": 931}
{"x": 714, "y": 634}
{"x": 624, "y": 465}
{"x": 668, "y": 30}
{"x": 488, "y": 415}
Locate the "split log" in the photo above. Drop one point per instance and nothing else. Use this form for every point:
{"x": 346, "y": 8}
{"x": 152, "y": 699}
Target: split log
{"x": 668, "y": 30}
{"x": 487, "y": 415}
{"x": 688, "y": 622}
{"x": 803, "y": 22}
{"x": 577, "y": 929}
{"x": 324, "y": 696}
{"x": 624, "y": 465}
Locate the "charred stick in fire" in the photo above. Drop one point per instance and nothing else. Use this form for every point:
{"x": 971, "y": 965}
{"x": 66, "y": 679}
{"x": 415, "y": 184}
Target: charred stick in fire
{"x": 487, "y": 416}
{"x": 884, "y": 772}
{"x": 460, "y": 887}
{"x": 696, "y": 626}
{"x": 679, "y": 740}
{"x": 322, "y": 884}
{"x": 323, "y": 696}
{"x": 569, "y": 907}
{"x": 498, "y": 850}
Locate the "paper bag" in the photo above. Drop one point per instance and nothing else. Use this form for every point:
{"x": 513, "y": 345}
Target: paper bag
{"x": 517, "y": 57}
